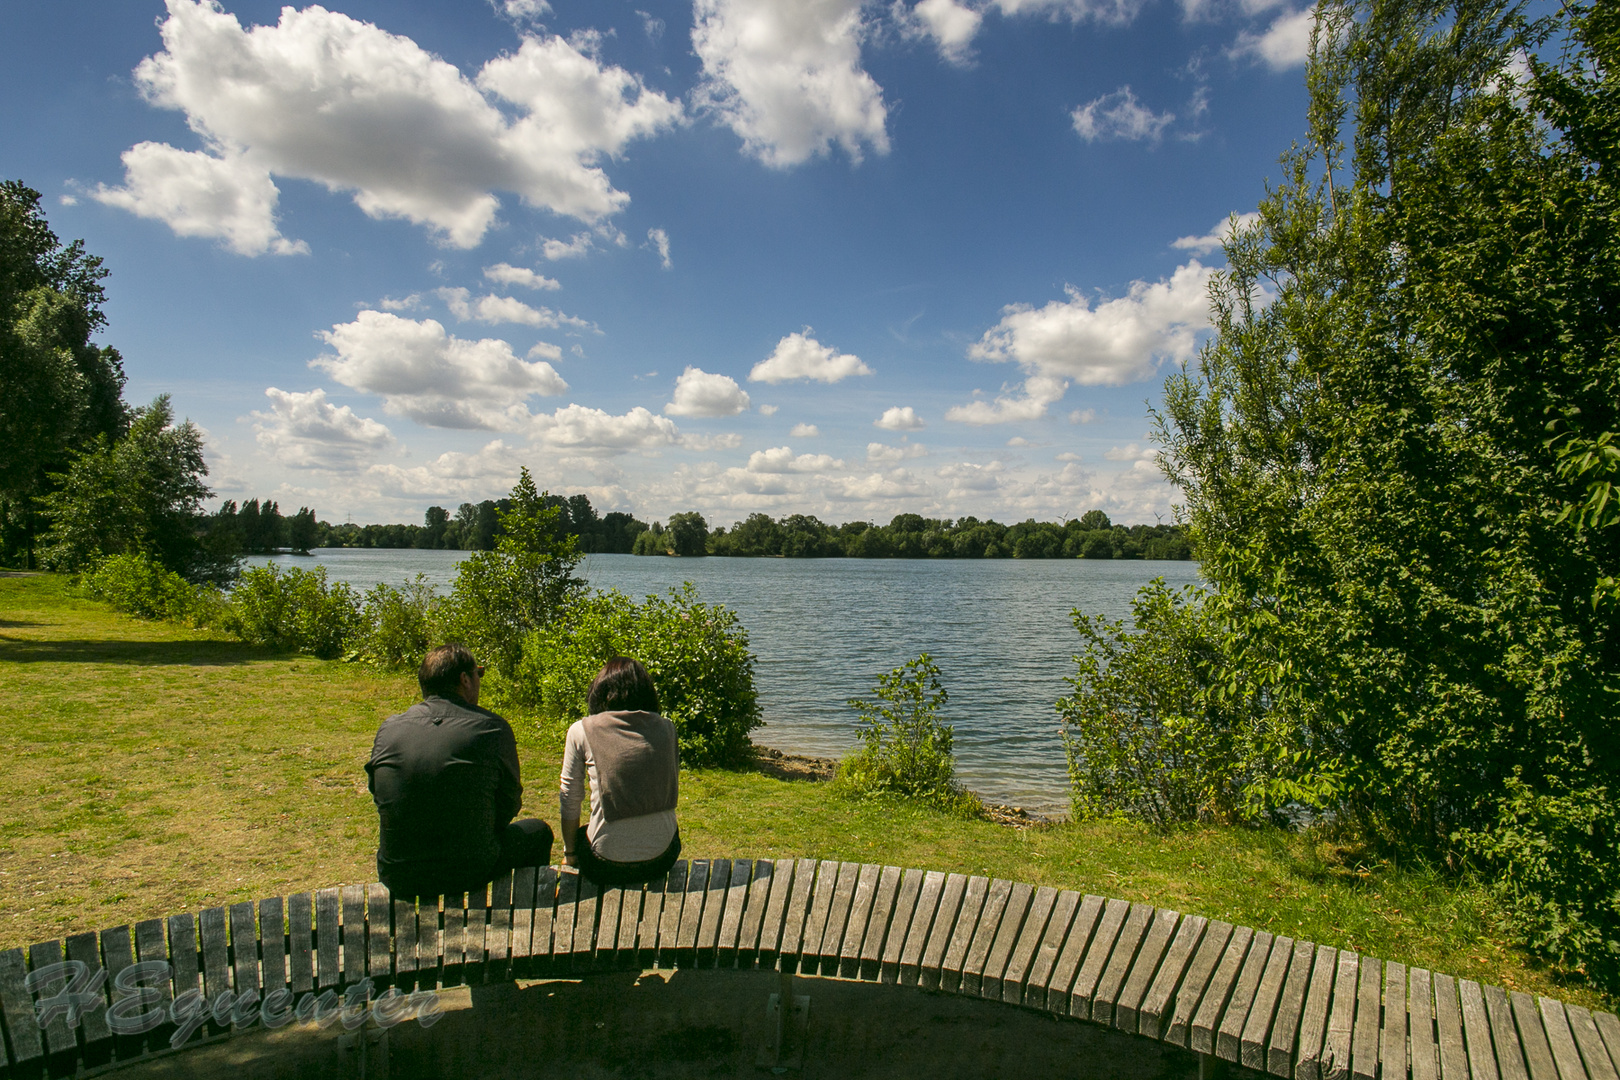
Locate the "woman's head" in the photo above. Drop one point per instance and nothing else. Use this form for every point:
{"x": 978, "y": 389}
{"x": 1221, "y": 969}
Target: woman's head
{"x": 622, "y": 685}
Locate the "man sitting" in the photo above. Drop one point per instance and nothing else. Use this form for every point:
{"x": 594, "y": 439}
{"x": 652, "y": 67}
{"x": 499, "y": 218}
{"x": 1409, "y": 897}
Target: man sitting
{"x": 445, "y": 776}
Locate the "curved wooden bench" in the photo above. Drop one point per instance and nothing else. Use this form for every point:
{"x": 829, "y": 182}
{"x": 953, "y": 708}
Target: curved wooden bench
{"x": 1292, "y": 1009}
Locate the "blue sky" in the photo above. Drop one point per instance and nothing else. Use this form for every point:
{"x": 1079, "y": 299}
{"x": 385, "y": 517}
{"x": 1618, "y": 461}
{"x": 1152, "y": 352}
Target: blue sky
{"x": 790, "y": 256}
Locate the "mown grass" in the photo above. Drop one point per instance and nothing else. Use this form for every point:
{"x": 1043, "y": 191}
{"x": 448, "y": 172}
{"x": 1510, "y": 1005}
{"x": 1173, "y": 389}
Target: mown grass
{"x": 151, "y": 769}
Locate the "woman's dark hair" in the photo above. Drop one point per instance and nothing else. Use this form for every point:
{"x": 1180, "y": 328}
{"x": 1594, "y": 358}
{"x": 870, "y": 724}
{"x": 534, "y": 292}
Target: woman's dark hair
{"x": 622, "y": 685}
{"x": 442, "y": 669}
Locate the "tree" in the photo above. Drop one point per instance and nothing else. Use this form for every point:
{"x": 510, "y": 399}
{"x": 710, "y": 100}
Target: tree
{"x": 302, "y": 530}
{"x": 689, "y": 534}
{"x": 435, "y": 521}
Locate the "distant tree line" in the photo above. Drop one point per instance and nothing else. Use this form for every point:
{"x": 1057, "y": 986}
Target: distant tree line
{"x": 473, "y": 527}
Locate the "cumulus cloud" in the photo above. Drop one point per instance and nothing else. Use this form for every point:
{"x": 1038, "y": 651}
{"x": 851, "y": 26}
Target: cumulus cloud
{"x": 804, "y": 431}
{"x": 781, "y": 459}
{"x": 1115, "y": 342}
{"x": 799, "y": 356}
{"x": 659, "y": 239}
{"x": 523, "y": 10}
{"x": 967, "y": 479}
{"x": 1212, "y": 240}
{"x": 949, "y": 25}
{"x": 882, "y": 454}
{"x": 768, "y": 410}
{"x": 1285, "y": 44}
{"x": 1069, "y": 455}
{"x": 572, "y": 248}
{"x": 433, "y": 377}
{"x": 507, "y": 274}
{"x": 1120, "y": 116}
{"x": 1114, "y": 12}
{"x": 787, "y": 77}
{"x": 503, "y": 309}
{"x": 306, "y": 431}
{"x": 1083, "y": 416}
{"x": 1030, "y": 403}
{"x": 490, "y": 469}
{"x": 578, "y": 428}
{"x": 729, "y": 441}
{"x": 899, "y": 418}
{"x": 703, "y": 393}
{"x": 321, "y": 96}
{"x": 223, "y": 197}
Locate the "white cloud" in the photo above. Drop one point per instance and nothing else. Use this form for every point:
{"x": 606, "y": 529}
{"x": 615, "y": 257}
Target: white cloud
{"x": 967, "y": 479}
{"x": 507, "y": 274}
{"x": 1083, "y": 416}
{"x": 1069, "y": 455}
{"x": 799, "y": 356}
{"x": 881, "y": 454}
{"x": 768, "y": 410}
{"x": 659, "y": 239}
{"x": 729, "y": 441}
{"x": 1116, "y": 342}
{"x": 524, "y": 10}
{"x": 67, "y": 200}
{"x": 786, "y": 76}
{"x": 574, "y": 247}
{"x": 805, "y": 431}
{"x": 1038, "y": 392}
{"x": 223, "y": 197}
{"x": 1119, "y": 116}
{"x": 1285, "y": 44}
{"x": 781, "y": 459}
{"x": 406, "y": 303}
{"x": 703, "y": 393}
{"x": 1131, "y": 452}
{"x": 433, "y": 377}
{"x": 306, "y": 431}
{"x": 544, "y": 350}
{"x": 592, "y": 430}
{"x": 490, "y": 470}
{"x": 324, "y": 97}
{"x": 1212, "y": 240}
{"x": 899, "y": 418}
{"x": 950, "y": 25}
{"x": 503, "y": 309}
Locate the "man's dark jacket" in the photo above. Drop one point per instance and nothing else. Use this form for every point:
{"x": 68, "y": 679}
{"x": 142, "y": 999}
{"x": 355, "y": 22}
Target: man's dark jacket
{"x": 445, "y": 777}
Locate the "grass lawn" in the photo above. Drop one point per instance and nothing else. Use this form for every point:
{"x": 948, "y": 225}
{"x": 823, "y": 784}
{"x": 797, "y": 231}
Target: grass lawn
{"x": 152, "y": 769}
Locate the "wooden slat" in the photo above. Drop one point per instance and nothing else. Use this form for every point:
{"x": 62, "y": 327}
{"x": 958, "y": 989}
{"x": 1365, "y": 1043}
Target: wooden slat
{"x": 1449, "y": 1024}
{"x": 773, "y": 927}
{"x": 379, "y": 934}
{"x": 429, "y": 942}
{"x": 1595, "y": 1056}
{"x": 1422, "y": 1050}
{"x": 1533, "y": 1037}
{"x": 860, "y": 916}
{"x": 1201, "y": 1034}
{"x": 1291, "y": 1012}
{"x": 1178, "y": 1028}
{"x": 1504, "y": 1035}
{"x": 882, "y": 925}
{"x": 17, "y": 1006}
{"x": 832, "y": 935}
{"x": 1229, "y": 1034}
{"x": 714, "y": 910}
{"x": 1013, "y": 916}
{"x": 59, "y": 1038}
{"x": 900, "y": 928}
{"x": 244, "y": 948}
{"x": 273, "y": 943}
{"x": 1127, "y": 1007}
{"x": 967, "y": 924}
{"x": 1131, "y": 934}
{"x": 1477, "y": 1031}
{"x": 1114, "y": 914}
{"x": 354, "y": 934}
{"x": 97, "y": 1035}
{"x": 1076, "y": 947}
{"x": 522, "y": 947}
{"x": 1021, "y": 961}
{"x": 1342, "y": 1018}
{"x": 562, "y": 920}
{"x": 405, "y": 942}
{"x": 301, "y": 942}
{"x": 453, "y": 940}
{"x": 686, "y": 936}
{"x": 608, "y": 908}
{"x": 545, "y": 918}
{"x": 1393, "y": 1039}
{"x": 216, "y": 951}
{"x": 498, "y": 942}
{"x": 151, "y": 947}
{"x": 1560, "y": 1039}
{"x": 587, "y": 903}
{"x": 185, "y": 962}
{"x": 795, "y": 921}
{"x": 327, "y": 905}
{"x": 646, "y": 938}
{"x": 753, "y": 919}
{"x": 941, "y": 932}
{"x": 1044, "y": 963}
{"x": 669, "y": 924}
{"x": 731, "y": 922}
{"x": 475, "y": 942}
{"x": 923, "y": 914}
{"x": 1255, "y": 1038}
{"x": 118, "y": 953}
{"x": 1608, "y": 1026}
{"x": 1364, "y": 1037}
{"x": 625, "y": 952}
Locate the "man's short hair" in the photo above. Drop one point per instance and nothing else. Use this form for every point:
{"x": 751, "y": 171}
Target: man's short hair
{"x": 622, "y": 685}
{"x": 442, "y": 669}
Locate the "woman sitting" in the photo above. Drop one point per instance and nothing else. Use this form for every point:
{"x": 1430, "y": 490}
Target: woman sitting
{"x": 632, "y": 757}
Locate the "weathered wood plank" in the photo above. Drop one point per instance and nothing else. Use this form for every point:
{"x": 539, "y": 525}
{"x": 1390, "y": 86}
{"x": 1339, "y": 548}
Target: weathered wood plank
{"x": 17, "y": 1007}
{"x": 669, "y": 924}
{"x": 1131, "y": 934}
{"x": 1076, "y": 948}
{"x": 1560, "y": 1039}
{"x": 379, "y": 934}
{"x": 880, "y": 926}
{"x": 301, "y": 942}
{"x": 1041, "y": 968}
{"x": 753, "y": 917}
{"x": 1423, "y": 1053}
{"x": 1504, "y": 1035}
{"x": 1015, "y": 918}
{"x": 1533, "y": 1037}
{"x": 59, "y": 1039}
{"x": 273, "y": 943}
{"x": 327, "y": 905}
{"x": 652, "y": 912}
{"x": 1127, "y": 1007}
{"x": 1205, "y": 1021}
{"x": 899, "y": 932}
{"x": 97, "y": 1035}
{"x": 1477, "y": 1031}
{"x": 1021, "y": 961}
{"x": 967, "y": 924}
{"x": 216, "y": 951}
{"x": 608, "y": 907}
{"x": 1364, "y": 1036}
{"x": 996, "y": 911}
{"x": 498, "y": 942}
{"x": 923, "y": 914}
{"x": 244, "y": 948}
{"x": 522, "y": 947}
{"x": 354, "y": 934}
{"x": 1594, "y": 1055}
{"x": 118, "y": 953}
{"x": 625, "y": 950}
{"x": 1290, "y": 1011}
{"x": 941, "y": 931}
{"x": 795, "y": 920}
{"x": 1393, "y": 1039}
{"x": 587, "y": 904}
{"x": 1177, "y": 1029}
{"x": 1114, "y": 915}
{"x": 151, "y": 947}
{"x": 1608, "y": 1026}
{"x": 860, "y": 916}
{"x": 773, "y": 928}
{"x": 1342, "y": 1019}
{"x": 429, "y": 943}
{"x": 569, "y": 884}
{"x": 731, "y": 922}
{"x": 686, "y": 935}
{"x": 453, "y": 940}
{"x": 475, "y": 942}
{"x": 832, "y": 936}
{"x": 404, "y": 942}
{"x": 1229, "y": 1035}
{"x": 707, "y": 944}
{"x": 1449, "y": 1026}
{"x": 185, "y": 962}
{"x": 1254, "y": 1043}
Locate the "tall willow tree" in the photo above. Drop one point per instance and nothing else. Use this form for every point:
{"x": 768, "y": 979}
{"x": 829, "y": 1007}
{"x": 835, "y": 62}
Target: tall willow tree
{"x": 1392, "y": 453}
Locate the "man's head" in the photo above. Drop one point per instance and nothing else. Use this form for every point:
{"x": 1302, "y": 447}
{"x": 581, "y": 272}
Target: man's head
{"x": 450, "y": 670}
{"x": 622, "y": 685}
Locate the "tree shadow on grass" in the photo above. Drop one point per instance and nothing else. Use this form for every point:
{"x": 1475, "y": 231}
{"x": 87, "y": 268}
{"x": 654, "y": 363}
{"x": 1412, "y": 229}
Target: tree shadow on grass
{"x": 191, "y": 653}
{"x": 14, "y": 623}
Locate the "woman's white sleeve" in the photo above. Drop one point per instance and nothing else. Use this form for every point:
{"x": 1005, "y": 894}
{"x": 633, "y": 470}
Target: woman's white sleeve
{"x": 573, "y": 774}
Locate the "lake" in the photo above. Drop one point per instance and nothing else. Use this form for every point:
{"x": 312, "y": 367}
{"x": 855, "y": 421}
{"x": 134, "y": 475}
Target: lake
{"x": 823, "y": 629}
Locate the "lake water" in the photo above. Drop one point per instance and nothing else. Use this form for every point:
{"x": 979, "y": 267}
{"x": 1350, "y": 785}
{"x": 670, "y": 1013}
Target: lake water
{"x": 823, "y": 629}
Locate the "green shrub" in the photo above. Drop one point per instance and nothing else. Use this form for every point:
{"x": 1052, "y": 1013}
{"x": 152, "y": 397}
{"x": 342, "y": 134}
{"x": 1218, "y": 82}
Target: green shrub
{"x": 297, "y": 610}
{"x": 696, "y": 653}
{"x": 138, "y": 585}
{"x": 906, "y": 748}
{"x": 400, "y": 625}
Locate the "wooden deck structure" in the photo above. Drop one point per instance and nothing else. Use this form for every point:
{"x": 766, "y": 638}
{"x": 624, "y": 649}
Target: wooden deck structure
{"x": 1291, "y": 1009}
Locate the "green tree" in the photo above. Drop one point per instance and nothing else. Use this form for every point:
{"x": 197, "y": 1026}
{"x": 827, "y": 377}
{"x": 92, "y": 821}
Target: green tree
{"x": 302, "y": 530}
{"x": 689, "y": 534}
{"x": 906, "y": 748}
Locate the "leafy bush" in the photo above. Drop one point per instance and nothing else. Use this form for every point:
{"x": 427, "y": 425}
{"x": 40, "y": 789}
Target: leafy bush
{"x": 298, "y": 610}
{"x": 696, "y": 653}
{"x": 399, "y": 625}
{"x": 138, "y": 585}
{"x": 906, "y": 748}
